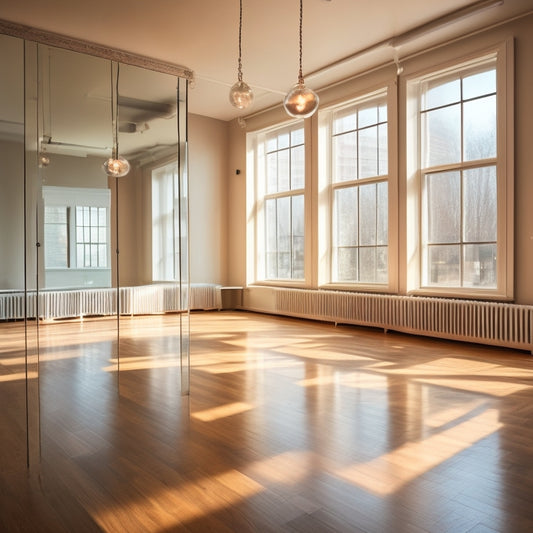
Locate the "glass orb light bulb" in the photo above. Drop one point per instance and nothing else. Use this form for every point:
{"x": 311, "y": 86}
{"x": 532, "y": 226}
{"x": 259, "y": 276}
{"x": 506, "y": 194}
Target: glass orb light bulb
{"x": 300, "y": 101}
{"x": 44, "y": 160}
{"x": 116, "y": 167}
{"x": 241, "y": 95}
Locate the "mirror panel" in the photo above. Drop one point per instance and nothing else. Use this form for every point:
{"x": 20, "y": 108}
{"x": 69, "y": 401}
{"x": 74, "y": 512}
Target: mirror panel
{"x": 79, "y": 249}
{"x": 13, "y": 430}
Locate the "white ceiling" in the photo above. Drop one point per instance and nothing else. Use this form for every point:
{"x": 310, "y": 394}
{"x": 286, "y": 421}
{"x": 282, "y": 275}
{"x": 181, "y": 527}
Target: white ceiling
{"x": 202, "y": 35}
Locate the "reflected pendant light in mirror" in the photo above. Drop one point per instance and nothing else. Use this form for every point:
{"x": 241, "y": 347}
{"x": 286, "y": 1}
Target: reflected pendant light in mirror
{"x": 300, "y": 101}
{"x": 240, "y": 95}
{"x": 116, "y": 166}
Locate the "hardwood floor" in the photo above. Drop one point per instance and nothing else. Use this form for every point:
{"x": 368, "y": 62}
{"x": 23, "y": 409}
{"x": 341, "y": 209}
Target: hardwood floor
{"x": 291, "y": 426}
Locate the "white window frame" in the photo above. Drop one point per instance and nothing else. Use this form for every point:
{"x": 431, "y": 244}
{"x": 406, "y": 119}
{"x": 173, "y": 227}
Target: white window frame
{"x": 255, "y": 207}
{"x": 169, "y": 260}
{"x": 326, "y": 188}
{"x": 504, "y": 290}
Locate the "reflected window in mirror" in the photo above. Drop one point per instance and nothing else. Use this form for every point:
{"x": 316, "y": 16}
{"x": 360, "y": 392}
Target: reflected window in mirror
{"x": 76, "y": 237}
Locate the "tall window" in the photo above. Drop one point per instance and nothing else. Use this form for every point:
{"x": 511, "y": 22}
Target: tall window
{"x": 76, "y": 237}
{"x": 358, "y": 178}
{"x": 462, "y": 177}
{"x": 165, "y": 223}
{"x": 91, "y": 237}
{"x": 280, "y": 204}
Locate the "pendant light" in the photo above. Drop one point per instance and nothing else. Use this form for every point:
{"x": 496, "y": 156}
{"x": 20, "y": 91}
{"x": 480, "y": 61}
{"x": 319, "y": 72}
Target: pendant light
{"x": 300, "y": 101}
{"x": 116, "y": 165}
{"x": 240, "y": 94}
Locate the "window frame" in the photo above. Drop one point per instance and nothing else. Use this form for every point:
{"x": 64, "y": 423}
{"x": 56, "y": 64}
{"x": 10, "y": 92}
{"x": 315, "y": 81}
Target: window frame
{"x": 386, "y": 92}
{"x": 257, "y": 196}
{"x": 71, "y": 198}
{"x": 502, "y": 55}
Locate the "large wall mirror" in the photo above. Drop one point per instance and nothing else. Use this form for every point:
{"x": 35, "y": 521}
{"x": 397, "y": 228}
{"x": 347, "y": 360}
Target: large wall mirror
{"x": 87, "y": 258}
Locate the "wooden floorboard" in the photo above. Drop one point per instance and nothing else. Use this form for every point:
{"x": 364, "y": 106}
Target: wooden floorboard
{"x": 290, "y": 426}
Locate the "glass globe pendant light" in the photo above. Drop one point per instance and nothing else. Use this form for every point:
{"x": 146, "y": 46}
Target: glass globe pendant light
{"x": 301, "y": 101}
{"x": 116, "y": 166}
{"x": 240, "y": 94}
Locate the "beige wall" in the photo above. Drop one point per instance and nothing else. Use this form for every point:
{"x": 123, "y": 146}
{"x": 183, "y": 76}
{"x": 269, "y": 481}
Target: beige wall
{"x": 11, "y": 215}
{"x": 520, "y": 31}
{"x": 208, "y": 197}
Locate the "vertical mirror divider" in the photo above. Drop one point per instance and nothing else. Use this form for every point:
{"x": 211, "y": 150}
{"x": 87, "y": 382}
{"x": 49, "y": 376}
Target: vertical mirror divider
{"x": 183, "y": 233}
{"x": 32, "y": 195}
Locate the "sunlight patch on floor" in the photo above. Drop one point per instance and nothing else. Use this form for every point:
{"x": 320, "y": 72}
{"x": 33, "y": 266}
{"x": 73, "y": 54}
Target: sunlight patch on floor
{"x": 289, "y": 467}
{"x": 388, "y": 473}
{"x": 184, "y": 504}
{"x": 18, "y": 376}
{"x": 222, "y": 411}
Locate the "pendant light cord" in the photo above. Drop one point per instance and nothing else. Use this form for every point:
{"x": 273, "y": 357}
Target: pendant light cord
{"x": 239, "y": 67}
{"x": 114, "y": 109}
{"x": 300, "y": 72}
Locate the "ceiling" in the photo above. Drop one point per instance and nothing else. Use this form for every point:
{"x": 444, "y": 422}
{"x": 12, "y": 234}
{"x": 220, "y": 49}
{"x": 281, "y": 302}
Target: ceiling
{"x": 202, "y": 35}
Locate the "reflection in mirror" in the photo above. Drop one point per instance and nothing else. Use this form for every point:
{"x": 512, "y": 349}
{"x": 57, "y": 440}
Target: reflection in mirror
{"x": 13, "y": 430}
{"x": 85, "y": 253}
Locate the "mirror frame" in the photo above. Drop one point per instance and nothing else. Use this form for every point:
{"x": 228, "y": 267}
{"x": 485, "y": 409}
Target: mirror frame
{"x": 29, "y": 33}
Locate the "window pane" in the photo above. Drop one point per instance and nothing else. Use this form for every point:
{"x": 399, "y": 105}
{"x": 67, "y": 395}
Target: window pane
{"x": 283, "y": 171}
{"x": 94, "y": 234}
{"x": 346, "y": 265}
{"x": 383, "y": 151}
{"x": 443, "y": 195}
{"x": 297, "y": 168}
{"x": 345, "y": 157}
{"x": 444, "y": 265}
{"x": 382, "y": 264}
{"x": 438, "y": 93}
{"x": 271, "y": 265}
{"x": 367, "y": 214}
{"x": 368, "y": 152}
{"x": 480, "y": 204}
{"x": 283, "y": 140}
{"x": 442, "y": 129}
{"x": 479, "y": 128}
{"x": 102, "y": 216}
{"x": 272, "y": 172}
{"x": 102, "y": 235}
{"x": 344, "y": 120}
{"x": 367, "y": 265}
{"x": 479, "y": 84}
{"x": 284, "y": 224}
{"x": 271, "y": 226}
{"x": 80, "y": 254}
{"x": 382, "y": 113}
{"x": 367, "y": 116}
{"x": 382, "y": 232}
{"x": 345, "y": 214}
{"x": 102, "y": 256}
{"x": 271, "y": 143}
{"x": 298, "y": 223}
{"x": 297, "y": 137}
{"x": 480, "y": 265}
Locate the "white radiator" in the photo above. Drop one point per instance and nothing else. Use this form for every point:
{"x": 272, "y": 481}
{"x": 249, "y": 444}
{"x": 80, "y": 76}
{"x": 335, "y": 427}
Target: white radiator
{"x": 492, "y": 323}
{"x": 140, "y": 300}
